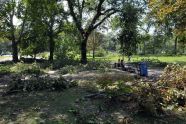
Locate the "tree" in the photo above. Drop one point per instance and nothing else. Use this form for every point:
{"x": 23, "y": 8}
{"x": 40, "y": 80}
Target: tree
{"x": 127, "y": 21}
{"x": 88, "y": 15}
{"x": 182, "y": 42}
{"x": 171, "y": 13}
{"x": 34, "y": 39}
{"x": 11, "y": 10}
{"x": 94, "y": 41}
{"x": 54, "y": 16}
{"x": 48, "y": 16}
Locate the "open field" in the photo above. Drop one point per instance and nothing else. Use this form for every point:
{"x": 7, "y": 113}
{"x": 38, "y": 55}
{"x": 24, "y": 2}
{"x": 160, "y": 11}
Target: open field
{"x": 168, "y": 59}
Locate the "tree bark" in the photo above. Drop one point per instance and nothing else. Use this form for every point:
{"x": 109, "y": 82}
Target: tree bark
{"x": 34, "y": 56}
{"x": 175, "y": 46}
{"x": 14, "y": 43}
{"x": 14, "y": 51}
{"x": 183, "y": 52}
{"x": 51, "y": 48}
{"x": 84, "y": 51}
{"x": 93, "y": 53}
{"x": 144, "y": 48}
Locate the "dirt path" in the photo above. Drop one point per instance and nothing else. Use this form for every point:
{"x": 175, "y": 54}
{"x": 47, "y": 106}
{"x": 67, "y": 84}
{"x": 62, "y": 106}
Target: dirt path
{"x": 94, "y": 74}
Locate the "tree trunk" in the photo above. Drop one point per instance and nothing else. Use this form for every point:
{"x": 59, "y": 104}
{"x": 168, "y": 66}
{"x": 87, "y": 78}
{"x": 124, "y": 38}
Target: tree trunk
{"x": 84, "y": 51}
{"x": 144, "y": 48}
{"x": 34, "y": 56}
{"x": 153, "y": 47}
{"x": 14, "y": 43}
{"x": 93, "y": 53}
{"x": 51, "y": 48}
{"x": 183, "y": 52}
{"x": 175, "y": 46}
{"x": 129, "y": 58}
{"x": 14, "y": 51}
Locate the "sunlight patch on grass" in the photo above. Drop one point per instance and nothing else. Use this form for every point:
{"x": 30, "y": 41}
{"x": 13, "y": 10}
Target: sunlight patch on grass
{"x": 168, "y": 59}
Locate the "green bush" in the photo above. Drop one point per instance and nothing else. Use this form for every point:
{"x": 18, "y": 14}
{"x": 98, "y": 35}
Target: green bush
{"x": 68, "y": 69}
{"x": 44, "y": 55}
{"x": 27, "y": 68}
{"x": 91, "y": 65}
{"x": 153, "y": 62}
{"x": 4, "y": 70}
{"x": 100, "y": 53}
{"x": 114, "y": 85}
{"x": 94, "y": 65}
{"x": 64, "y": 57}
{"x": 149, "y": 60}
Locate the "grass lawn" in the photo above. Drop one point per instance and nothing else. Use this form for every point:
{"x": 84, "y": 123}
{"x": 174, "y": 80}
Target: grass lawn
{"x": 5, "y": 58}
{"x": 168, "y": 59}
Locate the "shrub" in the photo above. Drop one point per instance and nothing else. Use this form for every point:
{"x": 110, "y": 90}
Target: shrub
{"x": 27, "y": 68}
{"x": 167, "y": 93}
{"x": 174, "y": 76}
{"x": 94, "y": 65}
{"x": 64, "y": 57}
{"x": 150, "y": 99}
{"x": 113, "y": 85}
{"x": 68, "y": 69}
{"x": 4, "y": 70}
{"x": 91, "y": 65}
{"x": 154, "y": 62}
{"x": 44, "y": 55}
{"x": 34, "y": 83}
{"x": 172, "y": 85}
{"x": 150, "y": 60}
{"x": 100, "y": 53}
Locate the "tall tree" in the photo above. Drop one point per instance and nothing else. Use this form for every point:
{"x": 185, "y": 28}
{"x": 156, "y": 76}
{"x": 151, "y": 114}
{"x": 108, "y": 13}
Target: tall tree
{"x": 127, "y": 22}
{"x": 10, "y": 11}
{"x": 34, "y": 39}
{"x": 88, "y": 15}
{"x": 54, "y": 19}
{"x": 50, "y": 17}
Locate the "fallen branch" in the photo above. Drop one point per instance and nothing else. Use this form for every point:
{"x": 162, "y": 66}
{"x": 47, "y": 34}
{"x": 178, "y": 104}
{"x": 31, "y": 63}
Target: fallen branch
{"x": 95, "y": 95}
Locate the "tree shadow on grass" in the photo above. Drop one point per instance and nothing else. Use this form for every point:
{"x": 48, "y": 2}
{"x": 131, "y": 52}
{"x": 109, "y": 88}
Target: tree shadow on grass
{"x": 39, "y": 106}
{"x": 64, "y": 108}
